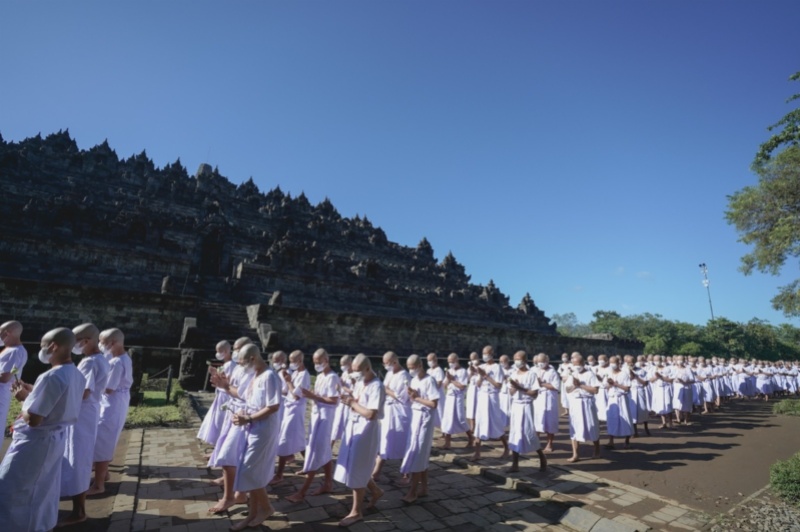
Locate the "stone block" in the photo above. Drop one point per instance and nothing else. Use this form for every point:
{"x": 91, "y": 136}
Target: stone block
{"x": 579, "y": 519}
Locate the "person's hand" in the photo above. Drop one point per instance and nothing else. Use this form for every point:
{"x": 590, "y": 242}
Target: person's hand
{"x": 286, "y": 376}
{"x": 575, "y": 381}
{"x": 23, "y": 389}
{"x": 307, "y": 393}
{"x": 239, "y": 419}
{"x": 481, "y": 371}
{"x": 347, "y": 400}
{"x": 412, "y": 393}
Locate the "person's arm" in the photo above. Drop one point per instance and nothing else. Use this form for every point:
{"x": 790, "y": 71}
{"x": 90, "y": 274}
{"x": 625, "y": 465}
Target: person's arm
{"x": 496, "y": 383}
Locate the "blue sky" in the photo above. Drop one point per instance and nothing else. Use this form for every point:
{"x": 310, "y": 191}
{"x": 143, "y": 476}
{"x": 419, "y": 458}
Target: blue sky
{"x": 579, "y": 151}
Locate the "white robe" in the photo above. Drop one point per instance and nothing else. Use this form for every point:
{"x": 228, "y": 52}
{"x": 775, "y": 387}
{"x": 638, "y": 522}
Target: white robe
{"x": 682, "y": 394}
{"x": 231, "y": 442}
{"x": 292, "y": 438}
{"x": 601, "y": 399}
{"x": 564, "y": 371}
{"x": 490, "y": 422}
{"x": 114, "y": 407}
{"x": 545, "y": 406}
{"x": 257, "y": 463}
{"x": 422, "y": 424}
{"x": 661, "y": 402}
{"x": 471, "y": 402}
{"x": 438, "y": 375}
{"x": 10, "y": 358}
{"x": 522, "y": 437}
{"x": 342, "y": 411}
{"x": 76, "y": 466}
{"x": 318, "y": 450}
{"x": 396, "y": 416}
{"x": 361, "y": 437}
{"x": 640, "y": 396}
{"x": 30, "y": 474}
{"x": 620, "y": 417}
{"x": 583, "y": 421}
{"x": 504, "y": 398}
{"x": 454, "y": 419}
{"x": 212, "y": 423}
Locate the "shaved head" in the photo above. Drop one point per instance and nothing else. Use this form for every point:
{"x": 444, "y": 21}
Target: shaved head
{"x": 113, "y": 335}
{"x": 452, "y": 357}
{"x": 390, "y": 357}
{"x": 296, "y": 356}
{"x": 12, "y": 327}
{"x": 250, "y": 353}
{"x": 224, "y": 345}
{"x": 346, "y": 360}
{"x": 278, "y": 357}
{"x": 64, "y": 340}
{"x": 86, "y": 331}
{"x": 361, "y": 362}
{"x": 241, "y": 342}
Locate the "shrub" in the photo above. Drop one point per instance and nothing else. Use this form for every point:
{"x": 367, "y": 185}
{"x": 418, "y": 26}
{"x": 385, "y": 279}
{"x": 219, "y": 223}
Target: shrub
{"x": 784, "y": 476}
{"x": 789, "y": 407}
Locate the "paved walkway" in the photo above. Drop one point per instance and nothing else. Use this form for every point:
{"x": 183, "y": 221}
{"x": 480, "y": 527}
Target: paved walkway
{"x": 165, "y": 486}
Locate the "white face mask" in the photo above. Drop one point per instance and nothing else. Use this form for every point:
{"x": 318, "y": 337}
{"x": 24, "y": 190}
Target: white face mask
{"x": 542, "y": 365}
{"x": 220, "y": 356}
{"x": 603, "y": 363}
{"x": 430, "y": 364}
{"x": 319, "y": 368}
{"x": 346, "y": 368}
{"x": 2, "y": 344}
{"x": 519, "y": 364}
{"x": 487, "y": 358}
{"x": 293, "y": 366}
{"x": 357, "y": 375}
{"x": 235, "y": 356}
{"x": 473, "y": 362}
{"x": 388, "y": 368}
{"x": 277, "y": 366}
{"x": 77, "y": 350}
{"x": 44, "y": 356}
{"x": 453, "y": 365}
{"x": 613, "y": 366}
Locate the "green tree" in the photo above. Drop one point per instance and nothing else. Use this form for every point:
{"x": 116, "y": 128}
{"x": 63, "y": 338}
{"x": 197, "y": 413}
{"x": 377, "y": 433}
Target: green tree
{"x": 767, "y": 215}
{"x": 568, "y": 325}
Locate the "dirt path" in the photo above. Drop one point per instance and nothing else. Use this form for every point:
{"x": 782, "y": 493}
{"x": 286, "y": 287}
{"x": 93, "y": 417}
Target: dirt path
{"x": 711, "y": 465}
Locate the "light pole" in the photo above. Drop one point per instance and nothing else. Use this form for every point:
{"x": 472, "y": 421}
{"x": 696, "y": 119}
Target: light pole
{"x": 704, "y": 271}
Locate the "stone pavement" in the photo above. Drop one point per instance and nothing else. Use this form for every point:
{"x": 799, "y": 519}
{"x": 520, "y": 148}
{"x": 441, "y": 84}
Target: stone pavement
{"x": 165, "y": 486}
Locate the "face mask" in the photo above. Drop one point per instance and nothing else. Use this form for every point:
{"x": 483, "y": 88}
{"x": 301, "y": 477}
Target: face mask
{"x": 105, "y": 350}
{"x": 519, "y": 364}
{"x": 346, "y": 368}
{"x": 613, "y": 366}
{"x": 430, "y": 364}
{"x": 44, "y": 356}
{"x": 2, "y": 344}
{"x": 277, "y": 366}
{"x": 453, "y": 365}
{"x": 319, "y": 368}
{"x": 77, "y": 350}
{"x": 357, "y": 375}
{"x": 293, "y": 366}
{"x": 473, "y": 363}
{"x": 542, "y": 365}
{"x": 388, "y": 367}
{"x": 603, "y": 363}
{"x": 487, "y": 358}
{"x": 220, "y": 356}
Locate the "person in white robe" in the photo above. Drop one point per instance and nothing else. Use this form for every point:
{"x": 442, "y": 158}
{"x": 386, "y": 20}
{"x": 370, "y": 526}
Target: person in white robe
{"x": 113, "y": 406}
{"x": 232, "y": 439}
{"x": 325, "y": 399}
{"x": 682, "y": 399}
{"x": 471, "y": 401}
{"x": 345, "y": 389}
{"x": 292, "y": 439}
{"x": 564, "y": 371}
{"x": 437, "y": 372}
{"x": 601, "y": 399}
{"x": 490, "y": 422}
{"x": 523, "y": 387}
{"x": 361, "y": 439}
{"x": 504, "y": 398}
{"x": 261, "y": 419}
{"x": 212, "y": 422}
{"x": 660, "y": 377}
{"x": 545, "y": 404}
{"x": 30, "y": 473}
{"x": 423, "y": 392}
{"x": 706, "y": 378}
{"x": 76, "y": 465}
{"x": 763, "y": 377}
{"x": 395, "y": 427}
{"x": 582, "y": 387}
{"x": 454, "y": 418}
{"x": 13, "y": 357}
{"x": 640, "y": 401}
{"x": 620, "y": 415}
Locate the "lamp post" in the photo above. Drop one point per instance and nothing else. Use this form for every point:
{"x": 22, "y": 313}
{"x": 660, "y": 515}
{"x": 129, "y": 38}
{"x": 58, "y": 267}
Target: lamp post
{"x": 704, "y": 271}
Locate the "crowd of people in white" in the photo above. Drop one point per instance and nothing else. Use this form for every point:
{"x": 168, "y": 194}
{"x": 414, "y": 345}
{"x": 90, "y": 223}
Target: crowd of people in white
{"x": 72, "y": 416}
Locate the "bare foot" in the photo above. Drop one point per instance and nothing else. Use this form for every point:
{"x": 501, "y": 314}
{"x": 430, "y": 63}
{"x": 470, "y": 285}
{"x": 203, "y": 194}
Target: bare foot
{"x": 108, "y": 476}
{"x": 513, "y": 469}
{"x": 573, "y": 459}
{"x": 636, "y": 435}
{"x": 626, "y": 446}
{"x": 296, "y": 497}
{"x": 475, "y": 457}
{"x": 221, "y": 506}
{"x": 445, "y": 447}
{"x": 241, "y": 525}
{"x": 260, "y": 517}
{"x": 405, "y": 481}
{"x": 325, "y": 488}
{"x": 350, "y": 520}
{"x": 408, "y": 499}
{"x": 71, "y": 520}
{"x": 596, "y": 455}
{"x": 505, "y": 454}
{"x": 374, "y": 498}
{"x": 95, "y": 490}
{"x": 218, "y": 481}
{"x": 547, "y": 450}
{"x": 275, "y": 481}
{"x": 609, "y": 446}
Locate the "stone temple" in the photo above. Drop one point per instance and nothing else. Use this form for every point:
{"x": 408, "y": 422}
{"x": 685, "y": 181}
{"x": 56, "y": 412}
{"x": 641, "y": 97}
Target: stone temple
{"x": 181, "y": 261}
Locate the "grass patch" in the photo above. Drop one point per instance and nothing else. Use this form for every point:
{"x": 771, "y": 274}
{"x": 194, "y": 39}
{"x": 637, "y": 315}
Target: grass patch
{"x": 784, "y": 477}
{"x": 154, "y": 410}
{"x": 789, "y": 407}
